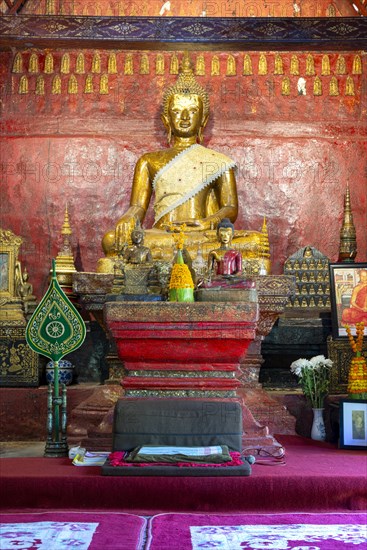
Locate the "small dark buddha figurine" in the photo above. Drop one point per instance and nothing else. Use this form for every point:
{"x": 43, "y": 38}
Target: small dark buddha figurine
{"x": 137, "y": 253}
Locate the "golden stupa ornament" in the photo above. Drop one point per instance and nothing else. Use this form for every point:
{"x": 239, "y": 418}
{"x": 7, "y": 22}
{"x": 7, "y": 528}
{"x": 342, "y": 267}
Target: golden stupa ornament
{"x": 265, "y": 247}
{"x": 348, "y": 241}
{"x": 65, "y": 266}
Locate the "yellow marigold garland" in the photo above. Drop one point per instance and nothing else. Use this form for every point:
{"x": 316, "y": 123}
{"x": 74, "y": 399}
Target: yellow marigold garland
{"x": 357, "y": 378}
{"x": 181, "y": 277}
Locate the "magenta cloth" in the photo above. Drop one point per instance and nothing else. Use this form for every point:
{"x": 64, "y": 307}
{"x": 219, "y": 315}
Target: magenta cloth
{"x": 117, "y": 459}
{"x": 115, "y": 530}
{"x": 316, "y": 476}
{"x": 194, "y": 531}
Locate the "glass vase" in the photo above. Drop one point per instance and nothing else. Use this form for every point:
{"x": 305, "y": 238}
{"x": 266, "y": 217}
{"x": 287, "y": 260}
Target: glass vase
{"x": 318, "y": 431}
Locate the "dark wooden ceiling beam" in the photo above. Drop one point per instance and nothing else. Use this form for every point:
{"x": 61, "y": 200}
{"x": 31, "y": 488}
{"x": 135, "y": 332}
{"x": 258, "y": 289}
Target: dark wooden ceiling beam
{"x": 178, "y": 33}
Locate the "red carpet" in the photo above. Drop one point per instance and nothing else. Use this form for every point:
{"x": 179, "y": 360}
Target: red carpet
{"x": 317, "y": 476}
{"x": 113, "y": 531}
{"x": 240, "y": 532}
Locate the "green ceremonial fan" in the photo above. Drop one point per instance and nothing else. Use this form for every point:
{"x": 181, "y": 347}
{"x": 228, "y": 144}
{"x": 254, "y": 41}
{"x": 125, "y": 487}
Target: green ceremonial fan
{"x": 54, "y": 330}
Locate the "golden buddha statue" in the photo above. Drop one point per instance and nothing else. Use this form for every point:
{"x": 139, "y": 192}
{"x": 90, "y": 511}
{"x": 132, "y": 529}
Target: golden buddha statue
{"x": 192, "y": 185}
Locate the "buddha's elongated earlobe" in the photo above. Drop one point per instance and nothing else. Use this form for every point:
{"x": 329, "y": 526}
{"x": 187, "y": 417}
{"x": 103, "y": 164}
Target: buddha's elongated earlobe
{"x": 200, "y": 135}
{"x": 169, "y": 135}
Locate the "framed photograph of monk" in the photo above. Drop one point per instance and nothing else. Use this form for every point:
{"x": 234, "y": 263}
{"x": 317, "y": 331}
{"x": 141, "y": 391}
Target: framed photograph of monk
{"x": 353, "y": 424}
{"x": 348, "y": 296}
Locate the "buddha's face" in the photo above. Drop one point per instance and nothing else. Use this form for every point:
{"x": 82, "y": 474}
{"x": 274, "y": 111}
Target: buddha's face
{"x": 225, "y": 235}
{"x": 185, "y": 115}
{"x": 137, "y": 236}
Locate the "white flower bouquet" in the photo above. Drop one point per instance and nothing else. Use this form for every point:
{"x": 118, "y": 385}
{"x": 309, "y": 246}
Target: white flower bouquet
{"x": 313, "y": 377}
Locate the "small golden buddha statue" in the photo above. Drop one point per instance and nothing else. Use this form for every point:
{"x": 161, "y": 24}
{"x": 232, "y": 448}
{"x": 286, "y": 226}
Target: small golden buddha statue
{"x": 192, "y": 185}
{"x": 247, "y": 65}
{"x": 112, "y": 63}
{"x": 200, "y": 65}
{"x": 349, "y": 86}
{"x": 215, "y": 68}
{"x": 144, "y": 64}
{"x": 65, "y": 64}
{"x": 96, "y": 63}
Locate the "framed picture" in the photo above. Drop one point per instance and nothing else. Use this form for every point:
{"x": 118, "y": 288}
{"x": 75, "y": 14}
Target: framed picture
{"x": 9, "y": 264}
{"x": 348, "y": 296}
{"x": 353, "y": 424}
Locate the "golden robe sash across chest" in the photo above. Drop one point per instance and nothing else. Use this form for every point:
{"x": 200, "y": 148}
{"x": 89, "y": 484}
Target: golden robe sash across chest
{"x": 185, "y": 176}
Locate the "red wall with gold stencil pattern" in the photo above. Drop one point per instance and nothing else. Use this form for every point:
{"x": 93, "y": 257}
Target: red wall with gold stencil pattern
{"x": 72, "y": 132}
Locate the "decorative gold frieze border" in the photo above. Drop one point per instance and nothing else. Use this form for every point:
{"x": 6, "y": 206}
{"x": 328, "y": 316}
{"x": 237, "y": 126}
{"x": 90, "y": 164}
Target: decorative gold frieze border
{"x": 91, "y": 71}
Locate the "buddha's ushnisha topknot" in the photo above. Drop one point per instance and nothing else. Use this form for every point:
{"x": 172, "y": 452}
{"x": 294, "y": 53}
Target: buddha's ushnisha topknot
{"x": 186, "y": 84}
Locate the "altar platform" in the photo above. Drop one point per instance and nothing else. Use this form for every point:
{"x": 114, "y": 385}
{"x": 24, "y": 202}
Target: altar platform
{"x": 312, "y": 476}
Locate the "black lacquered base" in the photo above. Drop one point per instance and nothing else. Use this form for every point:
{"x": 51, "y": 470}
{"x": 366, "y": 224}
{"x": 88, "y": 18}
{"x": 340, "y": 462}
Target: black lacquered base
{"x": 56, "y": 449}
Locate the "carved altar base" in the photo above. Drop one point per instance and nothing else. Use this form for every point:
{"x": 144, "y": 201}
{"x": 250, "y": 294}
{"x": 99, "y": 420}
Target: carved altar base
{"x": 187, "y": 350}
{"x": 273, "y": 293}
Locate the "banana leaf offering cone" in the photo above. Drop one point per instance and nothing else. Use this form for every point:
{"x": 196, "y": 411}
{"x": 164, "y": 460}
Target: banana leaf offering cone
{"x": 181, "y": 285}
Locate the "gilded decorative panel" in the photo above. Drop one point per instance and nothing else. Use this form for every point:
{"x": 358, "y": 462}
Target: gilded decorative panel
{"x": 18, "y": 363}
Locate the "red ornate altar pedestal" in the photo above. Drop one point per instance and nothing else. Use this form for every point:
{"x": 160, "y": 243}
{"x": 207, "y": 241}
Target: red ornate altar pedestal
{"x": 179, "y": 349}
{"x": 187, "y": 350}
